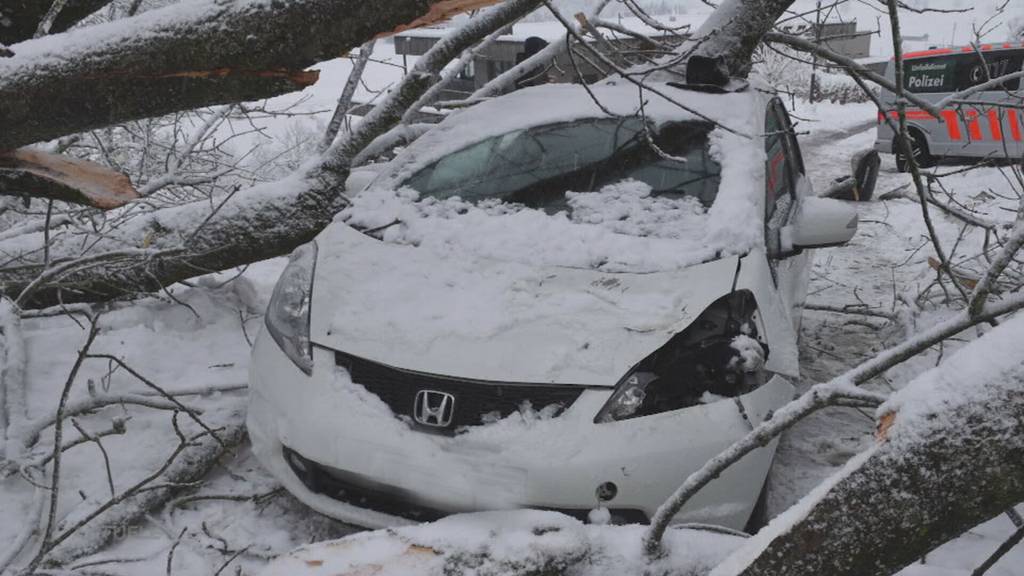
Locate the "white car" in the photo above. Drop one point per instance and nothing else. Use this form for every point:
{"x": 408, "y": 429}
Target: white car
{"x": 556, "y": 299}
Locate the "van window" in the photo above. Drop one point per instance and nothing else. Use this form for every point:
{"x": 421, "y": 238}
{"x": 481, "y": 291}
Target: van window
{"x": 970, "y": 70}
{"x": 957, "y": 72}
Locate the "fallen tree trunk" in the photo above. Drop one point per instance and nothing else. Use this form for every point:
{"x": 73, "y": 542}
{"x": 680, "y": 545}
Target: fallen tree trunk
{"x": 187, "y": 56}
{"x": 950, "y": 455}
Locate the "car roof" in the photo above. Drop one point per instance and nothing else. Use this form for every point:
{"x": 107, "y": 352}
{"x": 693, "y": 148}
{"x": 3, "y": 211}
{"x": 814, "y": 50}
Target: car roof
{"x": 552, "y": 103}
{"x": 988, "y": 47}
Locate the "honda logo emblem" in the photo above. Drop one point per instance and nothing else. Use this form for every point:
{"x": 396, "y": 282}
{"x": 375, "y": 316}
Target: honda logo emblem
{"x": 434, "y": 408}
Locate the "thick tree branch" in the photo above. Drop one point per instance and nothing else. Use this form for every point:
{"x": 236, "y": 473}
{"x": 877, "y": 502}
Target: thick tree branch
{"x": 186, "y": 56}
{"x": 734, "y": 30}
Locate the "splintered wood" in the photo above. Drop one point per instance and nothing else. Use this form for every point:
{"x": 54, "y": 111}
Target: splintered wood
{"x": 41, "y": 174}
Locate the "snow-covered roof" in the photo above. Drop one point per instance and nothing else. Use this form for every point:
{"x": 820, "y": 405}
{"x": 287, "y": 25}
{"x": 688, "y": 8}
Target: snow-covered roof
{"x": 551, "y": 103}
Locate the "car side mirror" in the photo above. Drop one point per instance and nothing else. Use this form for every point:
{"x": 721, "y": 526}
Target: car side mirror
{"x": 819, "y": 223}
{"x": 859, "y": 185}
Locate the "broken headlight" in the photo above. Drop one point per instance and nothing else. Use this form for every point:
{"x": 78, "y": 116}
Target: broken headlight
{"x": 288, "y": 312}
{"x": 720, "y": 354}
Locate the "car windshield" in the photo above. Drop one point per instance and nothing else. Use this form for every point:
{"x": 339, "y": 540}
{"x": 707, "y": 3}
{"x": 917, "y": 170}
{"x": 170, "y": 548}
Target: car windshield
{"x": 536, "y": 166}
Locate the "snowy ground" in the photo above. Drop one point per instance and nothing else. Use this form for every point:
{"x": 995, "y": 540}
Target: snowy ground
{"x": 202, "y": 340}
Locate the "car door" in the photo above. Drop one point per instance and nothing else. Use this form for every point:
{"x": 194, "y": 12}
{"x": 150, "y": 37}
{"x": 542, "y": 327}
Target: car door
{"x": 786, "y": 183}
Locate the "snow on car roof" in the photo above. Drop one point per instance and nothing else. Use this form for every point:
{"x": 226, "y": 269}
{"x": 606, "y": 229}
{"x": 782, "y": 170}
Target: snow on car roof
{"x": 552, "y": 103}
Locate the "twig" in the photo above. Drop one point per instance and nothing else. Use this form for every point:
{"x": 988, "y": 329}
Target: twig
{"x": 194, "y": 416}
{"x": 117, "y": 429}
{"x": 170, "y": 553}
{"x": 58, "y": 434}
{"x": 1005, "y": 547}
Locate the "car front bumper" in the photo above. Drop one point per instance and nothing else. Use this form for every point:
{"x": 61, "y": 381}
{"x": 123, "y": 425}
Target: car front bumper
{"x": 374, "y": 470}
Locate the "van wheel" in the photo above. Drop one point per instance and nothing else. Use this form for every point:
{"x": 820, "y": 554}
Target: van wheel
{"x": 919, "y": 147}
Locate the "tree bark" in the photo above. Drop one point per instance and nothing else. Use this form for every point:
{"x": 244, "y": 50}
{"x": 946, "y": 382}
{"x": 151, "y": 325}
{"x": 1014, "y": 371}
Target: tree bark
{"x": 950, "y": 455}
{"x": 186, "y": 56}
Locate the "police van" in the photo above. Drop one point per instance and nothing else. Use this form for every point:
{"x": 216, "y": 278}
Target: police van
{"x": 986, "y": 124}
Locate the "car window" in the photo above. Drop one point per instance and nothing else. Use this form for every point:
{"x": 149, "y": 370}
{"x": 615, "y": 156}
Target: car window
{"x": 536, "y": 166}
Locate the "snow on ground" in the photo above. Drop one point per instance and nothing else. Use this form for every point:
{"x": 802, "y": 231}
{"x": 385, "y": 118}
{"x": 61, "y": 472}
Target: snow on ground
{"x": 202, "y": 340}
{"x": 504, "y": 543}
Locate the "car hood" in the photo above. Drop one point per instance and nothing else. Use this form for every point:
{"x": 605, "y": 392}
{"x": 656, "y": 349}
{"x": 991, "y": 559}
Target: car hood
{"x": 479, "y": 318}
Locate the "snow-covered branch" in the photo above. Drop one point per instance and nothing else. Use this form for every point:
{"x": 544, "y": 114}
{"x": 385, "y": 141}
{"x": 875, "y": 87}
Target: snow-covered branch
{"x": 420, "y": 78}
{"x": 345, "y": 100}
{"x": 186, "y": 56}
{"x": 506, "y": 81}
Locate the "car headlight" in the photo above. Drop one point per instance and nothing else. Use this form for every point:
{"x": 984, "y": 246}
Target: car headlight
{"x": 718, "y": 355}
{"x": 288, "y": 313}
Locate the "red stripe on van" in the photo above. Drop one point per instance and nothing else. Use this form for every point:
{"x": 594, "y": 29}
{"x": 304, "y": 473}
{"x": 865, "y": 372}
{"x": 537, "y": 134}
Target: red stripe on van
{"x": 973, "y": 126}
{"x": 924, "y": 53}
{"x": 913, "y": 115}
{"x": 995, "y": 124}
{"x": 1014, "y": 125}
{"x": 952, "y": 124}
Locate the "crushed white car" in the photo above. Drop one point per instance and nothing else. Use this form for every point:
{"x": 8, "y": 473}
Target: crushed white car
{"x": 556, "y": 299}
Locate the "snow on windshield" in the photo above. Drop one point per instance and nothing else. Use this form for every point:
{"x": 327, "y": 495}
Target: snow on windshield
{"x": 622, "y": 226}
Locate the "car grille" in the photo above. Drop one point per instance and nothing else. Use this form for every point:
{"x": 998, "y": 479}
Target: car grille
{"x": 475, "y": 401}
